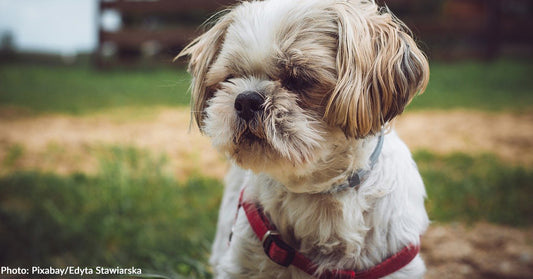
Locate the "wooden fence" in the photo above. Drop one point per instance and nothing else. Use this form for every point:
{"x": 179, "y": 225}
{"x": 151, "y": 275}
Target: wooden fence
{"x": 449, "y": 29}
{"x": 151, "y": 31}
{"x": 458, "y": 29}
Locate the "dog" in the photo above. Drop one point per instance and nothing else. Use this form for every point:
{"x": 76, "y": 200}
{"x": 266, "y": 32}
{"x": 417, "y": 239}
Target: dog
{"x": 300, "y": 96}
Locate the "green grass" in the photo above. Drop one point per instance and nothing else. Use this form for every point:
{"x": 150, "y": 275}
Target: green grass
{"x": 497, "y": 86}
{"x": 502, "y": 86}
{"x": 79, "y": 90}
{"x": 131, "y": 214}
{"x": 468, "y": 188}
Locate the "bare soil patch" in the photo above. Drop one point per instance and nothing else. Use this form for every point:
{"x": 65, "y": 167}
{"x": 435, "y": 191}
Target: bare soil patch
{"x": 480, "y": 251}
{"x": 65, "y": 144}
{"x": 509, "y": 136}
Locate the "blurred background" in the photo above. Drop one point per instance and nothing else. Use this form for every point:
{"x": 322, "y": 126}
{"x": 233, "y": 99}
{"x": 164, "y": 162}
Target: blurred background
{"x": 99, "y": 165}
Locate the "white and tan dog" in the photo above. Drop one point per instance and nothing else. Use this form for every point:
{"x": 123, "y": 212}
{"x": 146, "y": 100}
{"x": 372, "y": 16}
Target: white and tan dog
{"x": 297, "y": 94}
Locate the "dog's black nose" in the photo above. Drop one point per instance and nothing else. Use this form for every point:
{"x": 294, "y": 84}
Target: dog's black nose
{"x": 247, "y": 103}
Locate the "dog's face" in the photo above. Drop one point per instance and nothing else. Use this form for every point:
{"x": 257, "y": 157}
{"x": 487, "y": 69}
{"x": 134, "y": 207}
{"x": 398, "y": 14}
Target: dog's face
{"x": 285, "y": 86}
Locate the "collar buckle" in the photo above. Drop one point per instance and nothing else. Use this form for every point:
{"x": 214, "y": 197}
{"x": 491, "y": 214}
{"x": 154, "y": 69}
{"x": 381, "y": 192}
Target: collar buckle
{"x": 276, "y": 249}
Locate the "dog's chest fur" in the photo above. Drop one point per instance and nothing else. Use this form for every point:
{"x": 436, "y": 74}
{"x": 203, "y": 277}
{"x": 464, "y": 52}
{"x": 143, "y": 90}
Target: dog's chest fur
{"x": 353, "y": 229}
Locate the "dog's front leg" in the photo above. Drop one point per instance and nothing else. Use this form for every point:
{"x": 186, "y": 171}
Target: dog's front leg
{"x": 241, "y": 257}
{"x": 234, "y": 181}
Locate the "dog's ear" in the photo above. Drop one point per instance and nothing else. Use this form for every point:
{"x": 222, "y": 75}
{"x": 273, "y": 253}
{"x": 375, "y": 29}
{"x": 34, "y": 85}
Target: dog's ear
{"x": 202, "y": 52}
{"x": 380, "y": 69}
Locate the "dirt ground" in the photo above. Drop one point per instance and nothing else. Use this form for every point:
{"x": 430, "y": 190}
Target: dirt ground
{"x": 65, "y": 144}
{"x": 480, "y": 251}
{"x": 509, "y": 136}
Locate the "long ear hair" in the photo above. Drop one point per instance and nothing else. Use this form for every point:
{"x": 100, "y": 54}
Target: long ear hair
{"x": 203, "y": 52}
{"x": 380, "y": 69}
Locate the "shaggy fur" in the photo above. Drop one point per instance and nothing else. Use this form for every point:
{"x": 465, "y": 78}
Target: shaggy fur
{"x": 332, "y": 74}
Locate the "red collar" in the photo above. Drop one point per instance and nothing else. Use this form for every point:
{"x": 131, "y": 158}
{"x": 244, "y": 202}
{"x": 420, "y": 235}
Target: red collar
{"x": 283, "y": 254}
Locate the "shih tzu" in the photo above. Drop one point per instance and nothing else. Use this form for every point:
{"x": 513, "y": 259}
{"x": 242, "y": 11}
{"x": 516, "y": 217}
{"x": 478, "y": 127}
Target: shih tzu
{"x": 299, "y": 95}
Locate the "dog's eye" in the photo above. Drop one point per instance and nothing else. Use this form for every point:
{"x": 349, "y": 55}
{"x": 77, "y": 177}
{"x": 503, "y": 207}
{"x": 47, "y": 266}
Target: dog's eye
{"x": 296, "y": 84}
{"x": 228, "y": 77}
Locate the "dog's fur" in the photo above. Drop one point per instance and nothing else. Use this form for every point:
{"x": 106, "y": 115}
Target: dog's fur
{"x": 332, "y": 73}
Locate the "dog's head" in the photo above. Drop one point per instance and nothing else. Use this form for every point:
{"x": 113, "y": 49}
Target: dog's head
{"x": 278, "y": 85}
